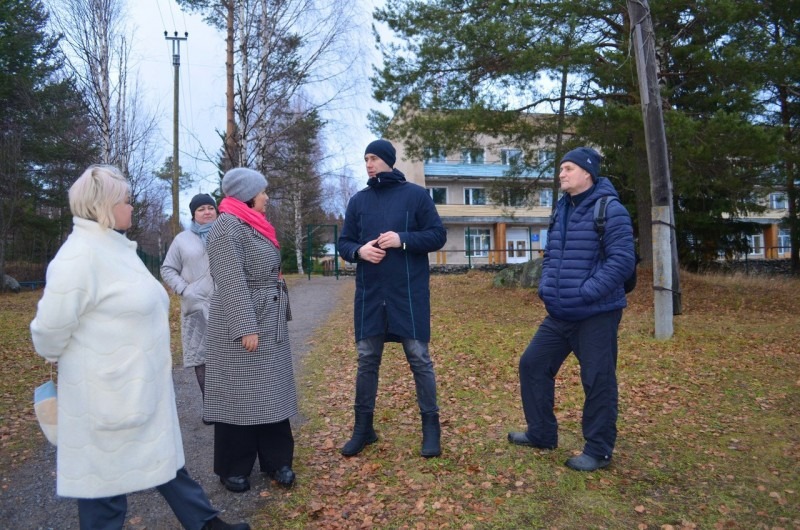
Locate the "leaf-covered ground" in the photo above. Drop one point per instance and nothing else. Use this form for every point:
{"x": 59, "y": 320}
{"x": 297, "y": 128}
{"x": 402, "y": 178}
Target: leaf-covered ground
{"x": 709, "y": 431}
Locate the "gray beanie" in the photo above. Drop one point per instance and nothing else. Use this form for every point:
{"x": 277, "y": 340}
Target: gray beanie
{"x": 243, "y": 183}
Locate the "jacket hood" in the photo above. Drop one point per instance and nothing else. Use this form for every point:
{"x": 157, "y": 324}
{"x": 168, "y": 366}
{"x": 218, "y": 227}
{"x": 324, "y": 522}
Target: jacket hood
{"x": 387, "y": 179}
{"x": 604, "y": 188}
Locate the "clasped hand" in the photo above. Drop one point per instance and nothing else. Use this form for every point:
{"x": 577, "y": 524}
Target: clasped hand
{"x": 374, "y": 251}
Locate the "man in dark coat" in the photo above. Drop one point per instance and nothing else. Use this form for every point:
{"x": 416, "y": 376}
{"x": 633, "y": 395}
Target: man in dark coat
{"x": 389, "y": 228}
{"x": 582, "y": 289}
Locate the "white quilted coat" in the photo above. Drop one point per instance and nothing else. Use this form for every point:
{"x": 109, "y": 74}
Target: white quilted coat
{"x": 104, "y": 318}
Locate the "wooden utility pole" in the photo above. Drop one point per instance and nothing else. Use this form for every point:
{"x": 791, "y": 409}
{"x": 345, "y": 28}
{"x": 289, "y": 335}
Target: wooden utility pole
{"x": 176, "y": 63}
{"x": 643, "y": 38}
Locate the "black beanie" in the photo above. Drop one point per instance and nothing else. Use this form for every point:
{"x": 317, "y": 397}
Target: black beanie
{"x": 199, "y": 200}
{"x": 587, "y": 158}
{"x": 384, "y": 150}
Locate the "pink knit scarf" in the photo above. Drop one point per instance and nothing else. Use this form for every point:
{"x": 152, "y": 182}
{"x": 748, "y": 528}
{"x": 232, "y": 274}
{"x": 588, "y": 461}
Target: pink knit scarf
{"x": 247, "y": 215}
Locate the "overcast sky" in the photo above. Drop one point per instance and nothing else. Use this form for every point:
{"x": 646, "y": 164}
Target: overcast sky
{"x": 202, "y": 90}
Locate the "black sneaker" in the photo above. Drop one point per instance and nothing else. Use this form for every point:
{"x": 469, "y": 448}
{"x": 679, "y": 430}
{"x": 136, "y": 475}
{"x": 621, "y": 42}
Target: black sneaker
{"x": 584, "y": 462}
{"x": 521, "y": 438}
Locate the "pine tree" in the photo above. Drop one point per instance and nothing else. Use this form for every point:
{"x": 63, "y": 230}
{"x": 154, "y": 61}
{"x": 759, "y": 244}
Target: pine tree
{"x": 45, "y": 141}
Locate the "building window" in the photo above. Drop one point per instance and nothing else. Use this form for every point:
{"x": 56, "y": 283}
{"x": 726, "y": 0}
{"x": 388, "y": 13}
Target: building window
{"x": 474, "y": 196}
{"x": 784, "y": 241}
{"x": 546, "y": 198}
{"x": 477, "y": 242}
{"x": 756, "y": 244}
{"x": 546, "y": 158}
{"x": 516, "y": 197}
{"x": 435, "y": 156}
{"x": 472, "y": 156}
{"x": 777, "y": 201}
{"x": 439, "y": 195}
{"x": 509, "y": 157}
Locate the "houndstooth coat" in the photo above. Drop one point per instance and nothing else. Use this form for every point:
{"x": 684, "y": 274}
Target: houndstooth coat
{"x": 247, "y": 388}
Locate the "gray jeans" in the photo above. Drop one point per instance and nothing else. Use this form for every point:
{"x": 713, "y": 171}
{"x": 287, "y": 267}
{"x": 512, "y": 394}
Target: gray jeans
{"x": 370, "y": 353}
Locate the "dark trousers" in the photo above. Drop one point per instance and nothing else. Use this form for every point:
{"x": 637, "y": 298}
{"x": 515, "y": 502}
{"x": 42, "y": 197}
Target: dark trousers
{"x": 594, "y": 342}
{"x": 370, "y": 354}
{"x": 185, "y": 496}
{"x": 237, "y": 446}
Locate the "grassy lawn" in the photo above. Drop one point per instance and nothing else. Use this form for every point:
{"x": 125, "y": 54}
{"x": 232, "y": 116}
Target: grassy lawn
{"x": 709, "y": 431}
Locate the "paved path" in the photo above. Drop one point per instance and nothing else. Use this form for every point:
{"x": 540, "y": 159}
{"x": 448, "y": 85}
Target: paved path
{"x": 28, "y": 498}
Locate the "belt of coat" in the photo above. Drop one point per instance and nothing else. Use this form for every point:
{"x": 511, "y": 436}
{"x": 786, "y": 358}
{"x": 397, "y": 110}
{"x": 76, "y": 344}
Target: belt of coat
{"x": 283, "y": 291}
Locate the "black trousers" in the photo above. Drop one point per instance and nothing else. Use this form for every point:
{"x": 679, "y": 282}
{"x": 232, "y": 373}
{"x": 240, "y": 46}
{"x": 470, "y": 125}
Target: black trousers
{"x": 237, "y": 446}
{"x": 594, "y": 343}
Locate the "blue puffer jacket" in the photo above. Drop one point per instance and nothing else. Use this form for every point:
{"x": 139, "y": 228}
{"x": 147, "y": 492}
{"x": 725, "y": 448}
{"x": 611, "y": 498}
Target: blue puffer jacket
{"x": 575, "y": 284}
{"x": 393, "y": 297}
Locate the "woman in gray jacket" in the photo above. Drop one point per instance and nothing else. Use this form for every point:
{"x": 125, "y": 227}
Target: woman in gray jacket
{"x": 185, "y": 271}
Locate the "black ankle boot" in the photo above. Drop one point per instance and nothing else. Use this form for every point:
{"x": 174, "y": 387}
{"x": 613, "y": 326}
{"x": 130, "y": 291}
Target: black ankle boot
{"x": 363, "y": 435}
{"x": 431, "y": 435}
{"x": 283, "y": 476}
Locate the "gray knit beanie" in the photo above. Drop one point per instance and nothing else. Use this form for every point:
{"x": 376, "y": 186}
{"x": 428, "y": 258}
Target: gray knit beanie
{"x": 243, "y": 183}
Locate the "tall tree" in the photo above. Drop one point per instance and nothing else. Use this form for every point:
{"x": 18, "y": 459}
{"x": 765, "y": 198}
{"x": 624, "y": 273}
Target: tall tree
{"x": 96, "y": 45}
{"x": 473, "y": 68}
{"x": 44, "y": 139}
{"x": 222, "y": 15}
{"x": 768, "y": 33}
{"x": 296, "y": 183}
{"x": 278, "y": 50}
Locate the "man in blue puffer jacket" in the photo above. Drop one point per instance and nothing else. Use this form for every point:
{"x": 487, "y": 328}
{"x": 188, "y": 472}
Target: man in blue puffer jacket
{"x": 582, "y": 289}
{"x": 389, "y": 229}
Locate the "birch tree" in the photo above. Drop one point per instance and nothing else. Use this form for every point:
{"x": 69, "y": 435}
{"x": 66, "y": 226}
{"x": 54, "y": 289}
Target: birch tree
{"x": 279, "y": 51}
{"x": 96, "y": 44}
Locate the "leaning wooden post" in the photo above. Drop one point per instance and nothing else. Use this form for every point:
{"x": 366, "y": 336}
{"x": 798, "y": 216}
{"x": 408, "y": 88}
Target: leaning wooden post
{"x": 658, "y": 163}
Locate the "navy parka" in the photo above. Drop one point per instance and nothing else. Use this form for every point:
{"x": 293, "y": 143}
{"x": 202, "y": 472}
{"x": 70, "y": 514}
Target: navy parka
{"x": 392, "y": 297}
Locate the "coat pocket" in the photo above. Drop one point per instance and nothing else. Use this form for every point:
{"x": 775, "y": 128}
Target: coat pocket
{"x": 123, "y": 393}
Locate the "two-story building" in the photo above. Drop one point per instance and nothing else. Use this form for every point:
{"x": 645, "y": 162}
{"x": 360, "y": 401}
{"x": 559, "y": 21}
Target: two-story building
{"x": 514, "y": 230}
{"x": 480, "y": 230}
{"x": 773, "y": 241}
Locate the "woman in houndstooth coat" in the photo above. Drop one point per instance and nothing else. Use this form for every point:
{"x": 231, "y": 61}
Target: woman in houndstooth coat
{"x": 250, "y": 387}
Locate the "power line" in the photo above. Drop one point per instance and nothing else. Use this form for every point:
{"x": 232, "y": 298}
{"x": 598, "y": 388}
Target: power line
{"x": 188, "y": 76}
{"x": 172, "y": 15}
{"x": 160, "y": 14}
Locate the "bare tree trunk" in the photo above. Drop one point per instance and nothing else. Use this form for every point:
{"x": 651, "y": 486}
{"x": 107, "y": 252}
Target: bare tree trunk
{"x": 244, "y": 84}
{"x": 792, "y": 196}
{"x": 231, "y": 148}
{"x": 562, "y": 102}
{"x": 297, "y": 203}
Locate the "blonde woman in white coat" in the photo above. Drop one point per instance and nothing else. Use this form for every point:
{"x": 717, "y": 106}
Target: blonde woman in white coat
{"x": 185, "y": 271}
{"x": 104, "y": 319}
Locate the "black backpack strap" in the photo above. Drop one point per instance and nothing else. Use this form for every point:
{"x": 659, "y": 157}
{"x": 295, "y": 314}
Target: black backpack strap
{"x": 600, "y": 222}
{"x": 552, "y": 221}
